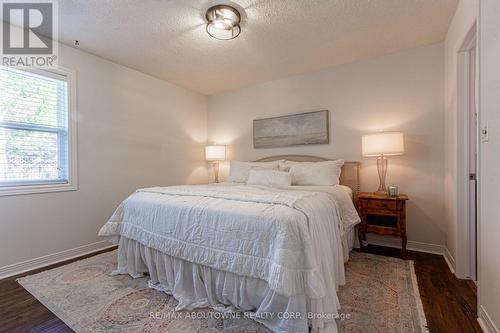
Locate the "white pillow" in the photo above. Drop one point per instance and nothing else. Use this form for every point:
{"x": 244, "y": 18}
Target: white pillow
{"x": 269, "y": 177}
{"x": 316, "y": 173}
{"x": 238, "y": 171}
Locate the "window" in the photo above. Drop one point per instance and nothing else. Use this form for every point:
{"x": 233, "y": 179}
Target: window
{"x": 37, "y": 131}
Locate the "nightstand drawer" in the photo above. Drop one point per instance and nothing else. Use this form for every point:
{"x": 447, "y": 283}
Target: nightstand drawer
{"x": 383, "y": 215}
{"x": 380, "y": 204}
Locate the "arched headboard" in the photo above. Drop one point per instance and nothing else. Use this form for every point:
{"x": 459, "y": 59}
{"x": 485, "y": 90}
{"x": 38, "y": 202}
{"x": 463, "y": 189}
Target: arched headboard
{"x": 349, "y": 176}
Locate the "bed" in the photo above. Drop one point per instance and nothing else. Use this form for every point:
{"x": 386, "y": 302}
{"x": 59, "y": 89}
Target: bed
{"x": 277, "y": 254}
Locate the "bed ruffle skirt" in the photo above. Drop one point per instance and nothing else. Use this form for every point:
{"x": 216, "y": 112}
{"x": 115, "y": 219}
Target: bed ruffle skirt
{"x": 196, "y": 286}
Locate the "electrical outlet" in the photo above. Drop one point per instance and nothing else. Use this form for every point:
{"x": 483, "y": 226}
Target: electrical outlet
{"x": 485, "y": 133}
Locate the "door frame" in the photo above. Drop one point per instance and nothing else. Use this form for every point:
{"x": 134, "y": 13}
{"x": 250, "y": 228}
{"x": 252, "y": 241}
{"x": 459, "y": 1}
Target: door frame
{"x": 467, "y": 96}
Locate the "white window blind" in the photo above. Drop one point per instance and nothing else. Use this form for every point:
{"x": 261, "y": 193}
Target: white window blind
{"x": 34, "y": 138}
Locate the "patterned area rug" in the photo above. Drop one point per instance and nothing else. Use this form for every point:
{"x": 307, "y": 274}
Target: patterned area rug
{"x": 381, "y": 295}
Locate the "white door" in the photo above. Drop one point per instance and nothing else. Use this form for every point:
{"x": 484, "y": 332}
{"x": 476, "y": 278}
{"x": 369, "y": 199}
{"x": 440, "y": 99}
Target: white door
{"x": 472, "y": 152}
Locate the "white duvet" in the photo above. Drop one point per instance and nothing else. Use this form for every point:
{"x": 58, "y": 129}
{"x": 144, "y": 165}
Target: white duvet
{"x": 289, "y": 238}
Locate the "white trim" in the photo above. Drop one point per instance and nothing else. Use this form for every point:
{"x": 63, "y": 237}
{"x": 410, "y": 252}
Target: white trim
{"x": 418, "y": 300}
{"x": 411, "y": 245}
{"x": 415, "y": 246}
{"x": 69, "y": 76}
{"x": 479, "y": 159}
{"x": 470, "y": 41}
{"x": 465, "y": 256}
{"x": 53, "y": 258}
{"x": 485, "y": 321}
{"x": 31, "y": 189}
{"x": 72, "y": 126}
{"x": 449, "y": 260}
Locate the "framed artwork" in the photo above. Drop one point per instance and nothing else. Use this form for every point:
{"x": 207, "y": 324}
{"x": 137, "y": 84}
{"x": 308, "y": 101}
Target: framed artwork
{"x": 292, "y": 130}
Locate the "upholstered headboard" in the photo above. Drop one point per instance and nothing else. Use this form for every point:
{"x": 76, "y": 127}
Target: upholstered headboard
{"x": 349, "y": 176}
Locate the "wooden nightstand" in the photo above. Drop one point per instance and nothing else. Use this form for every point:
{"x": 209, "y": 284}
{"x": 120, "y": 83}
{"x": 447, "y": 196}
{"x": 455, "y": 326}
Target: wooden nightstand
{"x": 383, "y": 215}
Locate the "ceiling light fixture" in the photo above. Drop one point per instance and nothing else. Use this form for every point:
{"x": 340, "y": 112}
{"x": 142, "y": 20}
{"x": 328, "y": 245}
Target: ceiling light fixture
{"x": 223, "y": 22}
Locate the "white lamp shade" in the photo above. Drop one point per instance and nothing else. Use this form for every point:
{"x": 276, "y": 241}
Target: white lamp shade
{"x": 215, "y": 153}
{"x": 383, "y": 144}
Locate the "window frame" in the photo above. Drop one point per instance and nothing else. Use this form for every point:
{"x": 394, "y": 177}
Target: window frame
{"x": 37, "y": 186}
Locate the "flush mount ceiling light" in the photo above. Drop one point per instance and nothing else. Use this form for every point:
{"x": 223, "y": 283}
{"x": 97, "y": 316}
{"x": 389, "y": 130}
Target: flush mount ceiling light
{"x": 223, "y": 22}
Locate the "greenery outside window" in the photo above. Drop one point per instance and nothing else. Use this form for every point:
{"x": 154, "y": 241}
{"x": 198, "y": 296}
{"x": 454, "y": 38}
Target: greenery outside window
{"x": 37, "y": 131}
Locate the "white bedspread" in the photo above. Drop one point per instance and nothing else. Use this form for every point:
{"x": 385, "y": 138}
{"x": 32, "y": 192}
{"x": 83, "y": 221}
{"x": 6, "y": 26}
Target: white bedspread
{"x": 287, "y": 237}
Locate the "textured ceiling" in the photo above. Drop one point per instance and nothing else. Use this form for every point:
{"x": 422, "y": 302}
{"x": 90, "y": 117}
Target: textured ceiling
{"x": 279, "y": 38}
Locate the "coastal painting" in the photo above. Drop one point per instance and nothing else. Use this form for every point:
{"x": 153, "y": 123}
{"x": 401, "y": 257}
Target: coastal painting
{"x": 296, "y": 129}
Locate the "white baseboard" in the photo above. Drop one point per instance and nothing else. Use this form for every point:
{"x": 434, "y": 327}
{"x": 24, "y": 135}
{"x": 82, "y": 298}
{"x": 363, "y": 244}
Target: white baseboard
{"x": 485, "y": 321}
{"x": 53, "y": 258}
{"x": 415, "y": 246}
{"x": 449, "y": 260}
{"x": 411, "y": 245}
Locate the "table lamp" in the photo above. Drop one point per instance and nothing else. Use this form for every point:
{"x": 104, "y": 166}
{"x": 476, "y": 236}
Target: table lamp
{"x": 382, "y": 144}
{"x": 215, "y": 154}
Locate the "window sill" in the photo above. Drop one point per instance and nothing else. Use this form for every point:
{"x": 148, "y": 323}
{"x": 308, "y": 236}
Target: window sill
{"x": 33, "y": 189}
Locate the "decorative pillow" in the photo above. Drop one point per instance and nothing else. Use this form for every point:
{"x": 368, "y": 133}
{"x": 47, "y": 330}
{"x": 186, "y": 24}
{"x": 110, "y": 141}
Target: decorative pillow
{"x": 238, "y": 171}
{"x": 316, "y": 173}
{"x": 269, "y": 177}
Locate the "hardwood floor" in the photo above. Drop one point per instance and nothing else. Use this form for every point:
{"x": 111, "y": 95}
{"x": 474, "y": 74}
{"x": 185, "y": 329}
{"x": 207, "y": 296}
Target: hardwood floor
{"x": 449, "y": 303}
{"x": 20, "y": 312}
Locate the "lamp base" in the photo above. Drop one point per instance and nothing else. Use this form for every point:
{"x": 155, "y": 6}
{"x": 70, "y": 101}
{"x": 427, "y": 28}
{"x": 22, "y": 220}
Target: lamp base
{"x": 381, "y": 192}
{"x": 216, "y": 171}
{"x": 382, "y": 172}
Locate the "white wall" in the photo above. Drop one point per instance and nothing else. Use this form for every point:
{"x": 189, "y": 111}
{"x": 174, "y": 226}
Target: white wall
{"x": 403, "y": 91}
{"x": 133, "y": 131}
{"x": 489, "y": 274}
{"x": 463, "y": 21}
